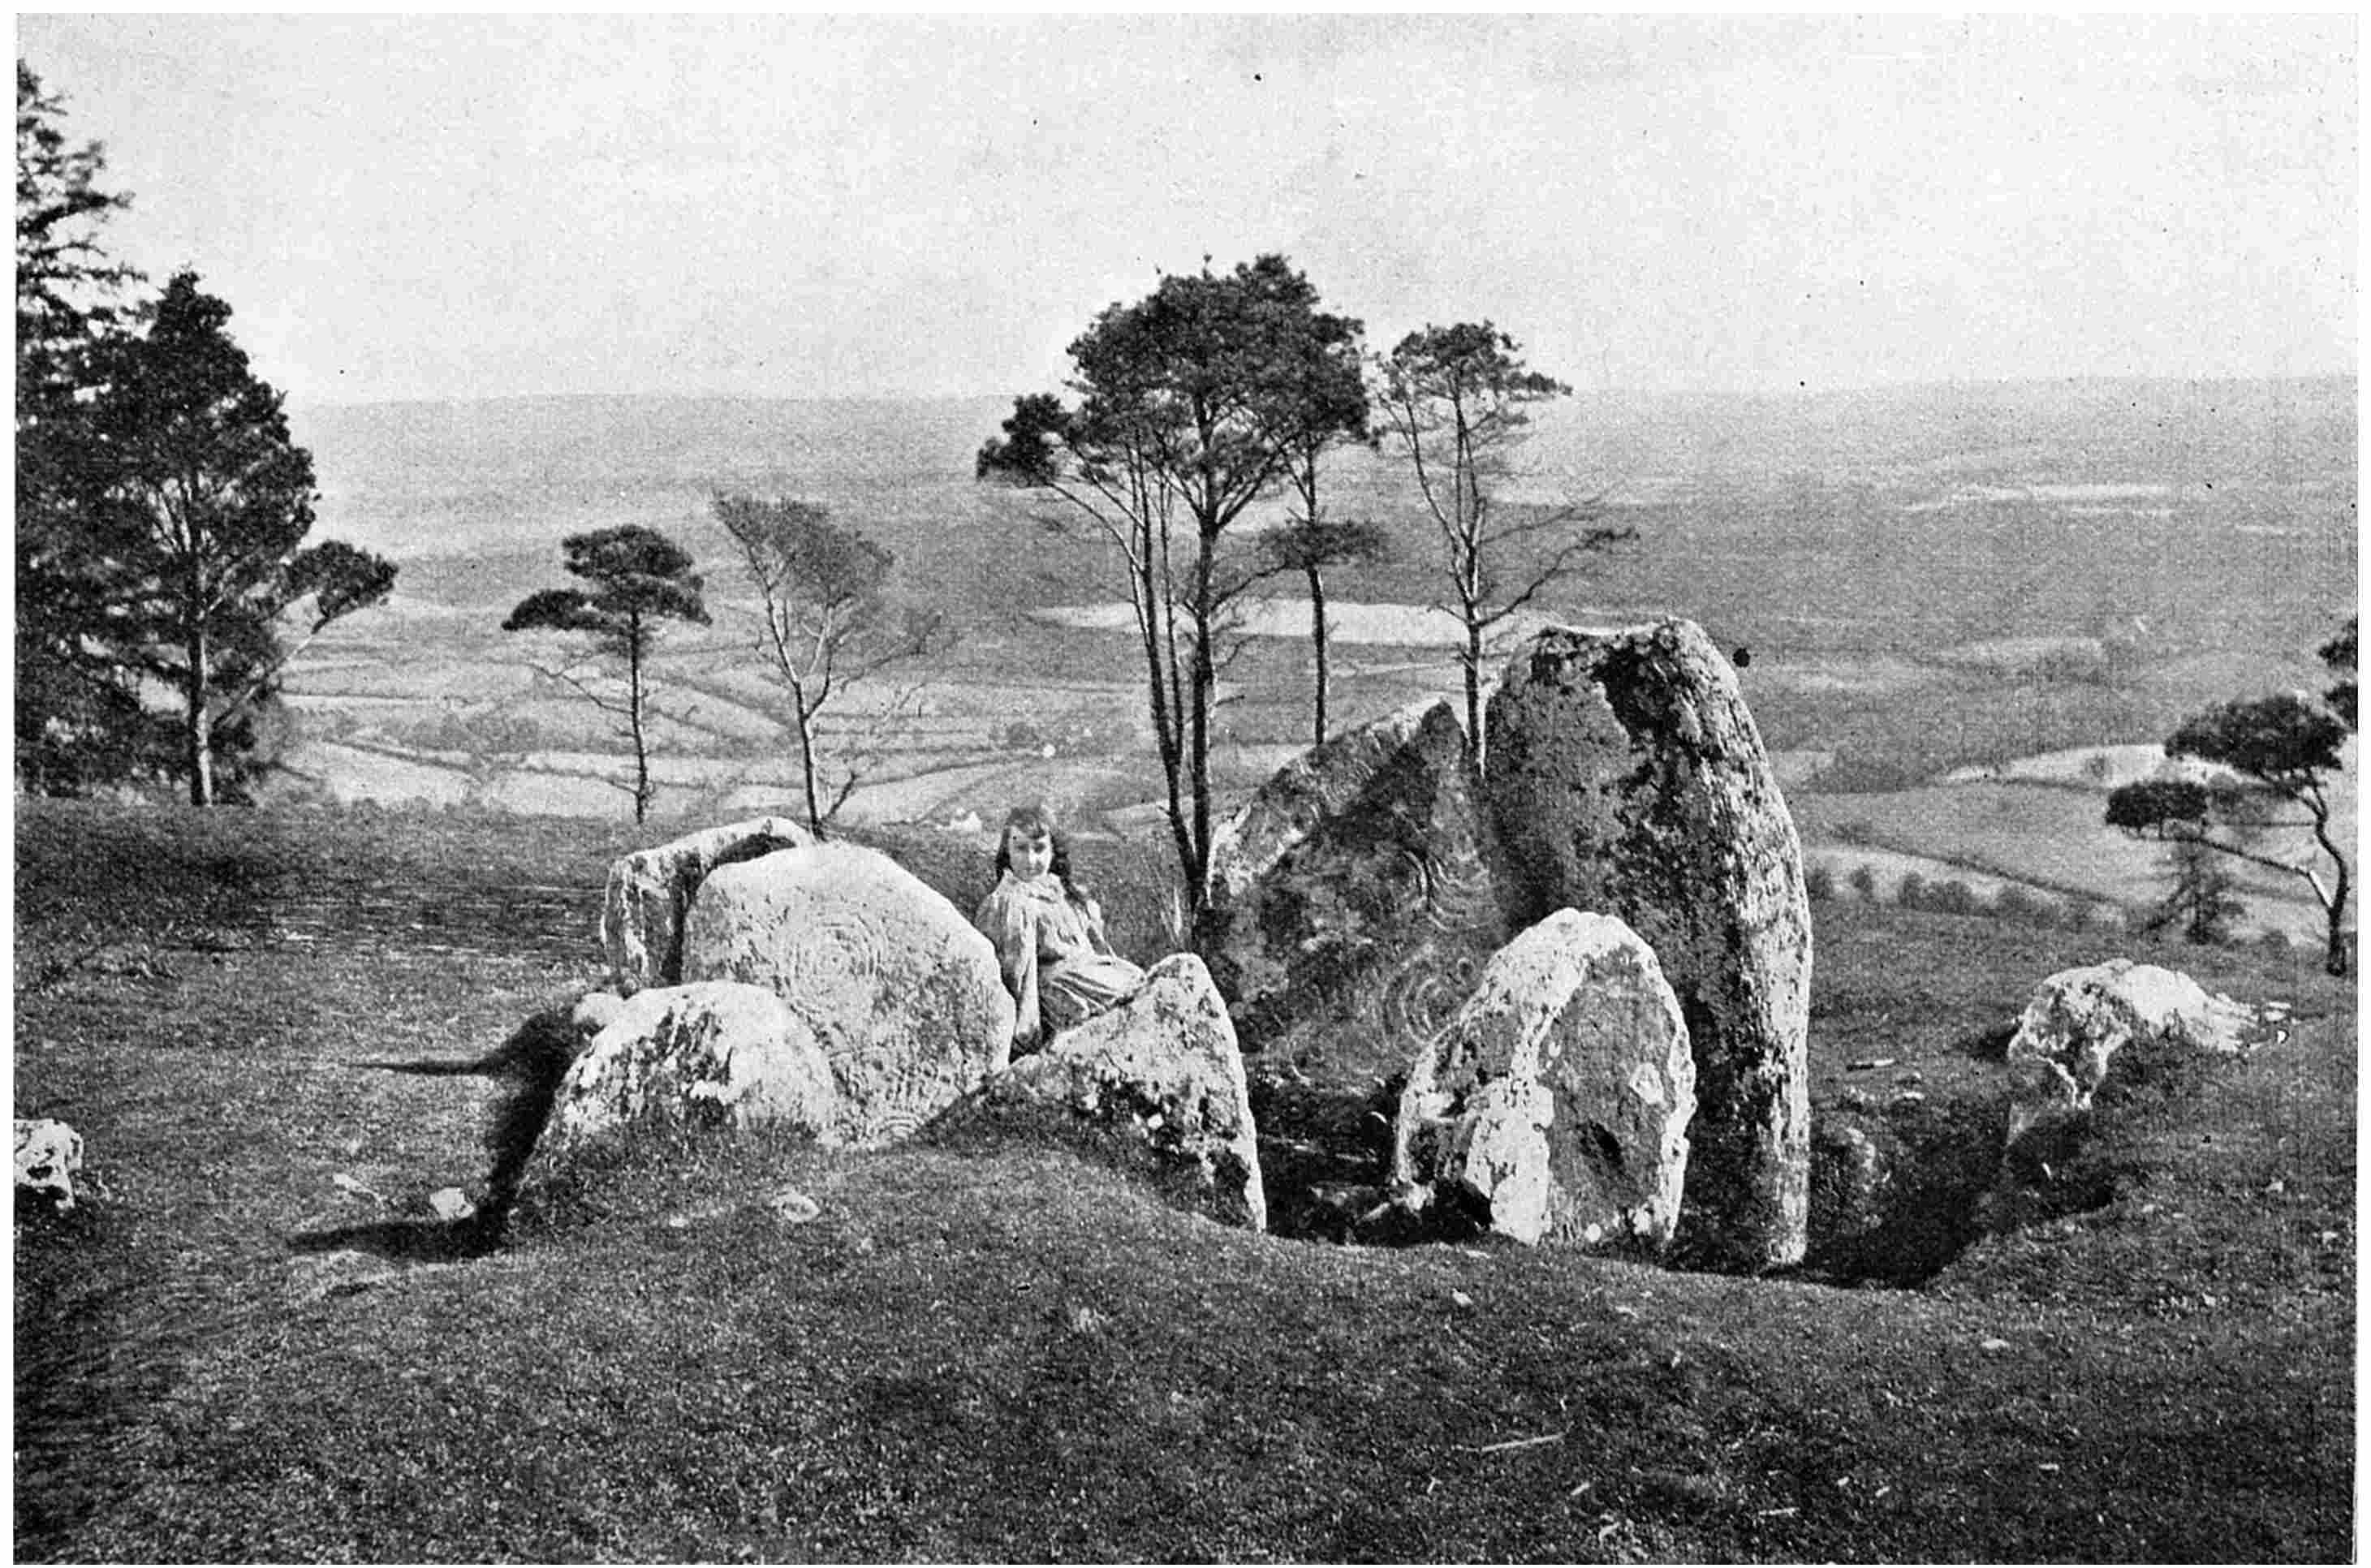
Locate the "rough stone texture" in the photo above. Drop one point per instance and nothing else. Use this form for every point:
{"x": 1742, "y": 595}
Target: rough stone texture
{"x": 1154, "y": 1087}
{"x": 1351, "y": 885}
{"x": 1554, "y": 1106}
{"x": 1851, "y": 1181}
{"x": 2079, "y": 1019}
{"x": 49, "y": 1156}
{"x": 643, "y": 909}
{"x": 710, "y": 1053}
{"x": 1624, "y": 775}
{"x": 902, "y": 994}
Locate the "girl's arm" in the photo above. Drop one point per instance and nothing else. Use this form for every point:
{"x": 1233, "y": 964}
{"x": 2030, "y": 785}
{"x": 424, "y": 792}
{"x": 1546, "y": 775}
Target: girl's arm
{"x": 1008, "y": 923}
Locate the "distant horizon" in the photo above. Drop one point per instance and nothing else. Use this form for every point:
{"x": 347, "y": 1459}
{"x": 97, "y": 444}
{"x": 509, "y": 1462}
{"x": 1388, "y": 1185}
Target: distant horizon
{"x": 414, "y": 208}
{"x": 1658, "y": 393}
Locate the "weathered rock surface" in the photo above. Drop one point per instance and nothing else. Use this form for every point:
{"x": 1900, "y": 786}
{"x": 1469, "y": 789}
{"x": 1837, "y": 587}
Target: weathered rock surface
{"x": 1554, "y": 1106}
{"x": 1624, "y": 775}
{"x": 1852, "y": 1180}
{"x": 643, "y": 905}
{"x": 710, "y": 1053}
{"x": 1350, "y": 883}
{"x": 1154, "y": 1087}
{"x": 903, "y": 996}
{"x": 2079, "y": 1019}
{"x": 49, "y": 1156}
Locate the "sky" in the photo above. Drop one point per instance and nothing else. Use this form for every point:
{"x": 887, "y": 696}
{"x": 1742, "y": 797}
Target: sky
{"x": 936, "y": 205}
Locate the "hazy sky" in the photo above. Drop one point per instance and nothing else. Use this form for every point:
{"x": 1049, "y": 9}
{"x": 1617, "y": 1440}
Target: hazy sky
{"x": 847, "y": 206}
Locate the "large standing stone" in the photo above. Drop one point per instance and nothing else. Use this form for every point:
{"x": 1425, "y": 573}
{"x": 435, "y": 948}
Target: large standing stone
{"x": 2079, "y": 1019}
{"x": 902, "y": 994}
{"x": 643, "y": 907}
{"x": 1624, "y": 775}
{"x": 1554, "y": 1105}
{"x": 49, "y": 1156}
{"x": 710, "y": 1054}
{"x": 1154, "y": 1087}
{"x": 1348, "y": 882}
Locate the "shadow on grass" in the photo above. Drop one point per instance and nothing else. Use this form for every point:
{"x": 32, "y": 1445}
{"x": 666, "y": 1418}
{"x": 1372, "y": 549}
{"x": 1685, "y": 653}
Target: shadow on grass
{"x": 408, "y": 1240}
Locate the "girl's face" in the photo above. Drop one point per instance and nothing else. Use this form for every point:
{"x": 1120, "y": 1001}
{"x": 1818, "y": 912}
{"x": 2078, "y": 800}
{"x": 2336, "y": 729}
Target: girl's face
{"x": 1029, "y": 851}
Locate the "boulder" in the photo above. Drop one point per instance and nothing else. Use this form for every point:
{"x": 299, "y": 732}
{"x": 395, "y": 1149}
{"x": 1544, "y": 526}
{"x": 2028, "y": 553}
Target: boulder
{"x": 710, "y": 1053}
{"x": 1624, "y": 775}
{"x": 49, "y": 1156}
{"x": 2079, "y": 1019}
{"x": 900, "y": 992}
{"x": 1154, "y": 1087}
{"x": 1348, "y": 884}
{"x": 1554, "y": 1105}
{"x": 643, "y": 905}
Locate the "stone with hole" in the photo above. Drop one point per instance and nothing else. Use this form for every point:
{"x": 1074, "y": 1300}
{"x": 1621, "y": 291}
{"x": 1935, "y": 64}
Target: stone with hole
{"x": 1154, "y": 1087}
{"x": 643, "y": 907}
{"x": 902, "y": 994}
{"x": 49, "y": 1156}
{"x": 1554, "y": 1106}
{"x": 1624, "y": 775}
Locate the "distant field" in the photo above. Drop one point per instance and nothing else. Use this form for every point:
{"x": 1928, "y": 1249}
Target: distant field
{"x": 1986, "y": 586}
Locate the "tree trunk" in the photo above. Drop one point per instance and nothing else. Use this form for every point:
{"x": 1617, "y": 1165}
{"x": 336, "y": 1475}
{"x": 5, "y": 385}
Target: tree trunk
{"x": 1317, "y": 641}
{"x": 634, "y": 720}
{"x": 200, "y": 720}
{"x": 1202, "y": 695}
{"x": 807, "y": 759}
{"x": 2335, "y": 957}
{"x": 1471, "y": 659}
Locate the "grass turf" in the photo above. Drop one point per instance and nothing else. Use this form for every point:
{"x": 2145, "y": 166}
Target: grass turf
{"x": 1015, "y": 1357}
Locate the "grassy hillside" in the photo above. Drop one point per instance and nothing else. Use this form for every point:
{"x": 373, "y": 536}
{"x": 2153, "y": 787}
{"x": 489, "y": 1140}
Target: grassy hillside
{"x": 229, "y": 1355}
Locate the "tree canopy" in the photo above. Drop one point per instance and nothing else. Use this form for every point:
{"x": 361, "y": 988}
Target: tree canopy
{"x": 1457, "y": 400}
{"x": 830, "y": 620}
{"x": 198, "y": 502}
{"x": 637, "y": 579}
{"x": 1191, "y": 405}
{"x": 2282, "y": 750}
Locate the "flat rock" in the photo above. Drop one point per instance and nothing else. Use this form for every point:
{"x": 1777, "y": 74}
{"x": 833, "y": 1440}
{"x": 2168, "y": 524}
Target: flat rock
{"x": 903, "y": 996}
{"x": 2078, "y": 1021}
{"x": 1626, "y": 776}
{"x": 711, "y": 1054}
{"x": 649, "y": 892}
{"x": 49, "y": 1156}
{"x": 1340, "y": 892}
{"x": 1154, "y": 1087}
{"x": 1554, "y": 1106}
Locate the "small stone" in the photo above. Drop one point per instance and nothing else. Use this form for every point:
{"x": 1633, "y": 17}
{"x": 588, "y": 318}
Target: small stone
{"x": 1460, "y": 1300}
{"x": 49, "y": 1156}
{"x": 450, "y": 1204}
{"x": 794, "y": 1208}
{"x": 1994, "y": 1347}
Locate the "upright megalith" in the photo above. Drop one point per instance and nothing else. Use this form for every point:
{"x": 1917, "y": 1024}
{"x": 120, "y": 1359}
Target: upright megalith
{"x": 1554, "y": 1105}
{"x": 901, "y": 993}
{"x": 643, "y": 905}
{"x": 1626, "y": 777}
{"x": 1354, "y": 876}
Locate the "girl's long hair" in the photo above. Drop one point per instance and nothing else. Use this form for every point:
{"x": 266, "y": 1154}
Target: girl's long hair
{"x": 1033, "y": 821}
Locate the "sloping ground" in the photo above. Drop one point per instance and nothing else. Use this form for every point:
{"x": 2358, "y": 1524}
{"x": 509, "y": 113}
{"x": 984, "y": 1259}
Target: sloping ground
{"x": 228, "y": 1357}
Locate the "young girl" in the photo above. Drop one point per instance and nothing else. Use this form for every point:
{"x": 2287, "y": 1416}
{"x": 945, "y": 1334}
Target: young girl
{"x": 1050, "y": 935}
